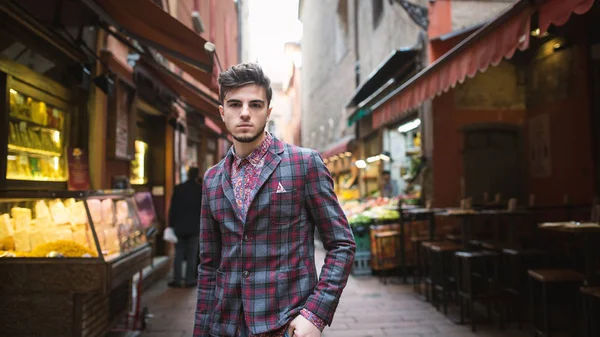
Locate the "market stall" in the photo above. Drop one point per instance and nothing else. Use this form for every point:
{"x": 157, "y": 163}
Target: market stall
{"x": 67, "y": 261}
{"x": 377, "y": 215}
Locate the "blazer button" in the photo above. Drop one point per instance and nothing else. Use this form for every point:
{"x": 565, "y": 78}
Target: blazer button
{"x": 245, "y": 274}
{"x": 246, "y": 238}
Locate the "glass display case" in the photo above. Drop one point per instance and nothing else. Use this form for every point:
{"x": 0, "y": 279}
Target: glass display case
{"x": 69, "y": 224}
{"x": 64, "y": 257}
{"x": 36, "y": 139}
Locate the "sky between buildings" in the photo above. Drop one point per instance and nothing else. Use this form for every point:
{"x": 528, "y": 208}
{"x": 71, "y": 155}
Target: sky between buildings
{"x": 272, "y": 24}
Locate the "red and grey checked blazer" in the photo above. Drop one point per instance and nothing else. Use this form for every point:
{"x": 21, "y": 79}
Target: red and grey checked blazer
{"x": 266, "y": 265}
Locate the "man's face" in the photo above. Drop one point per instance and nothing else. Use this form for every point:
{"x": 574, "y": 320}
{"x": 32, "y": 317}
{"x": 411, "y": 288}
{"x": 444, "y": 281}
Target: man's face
{"x": 385, "y": 178}
{"x": 245, "y": 112}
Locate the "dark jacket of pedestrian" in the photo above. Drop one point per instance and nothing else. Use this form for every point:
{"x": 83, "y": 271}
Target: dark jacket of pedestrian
{"x": 184, "y": 213}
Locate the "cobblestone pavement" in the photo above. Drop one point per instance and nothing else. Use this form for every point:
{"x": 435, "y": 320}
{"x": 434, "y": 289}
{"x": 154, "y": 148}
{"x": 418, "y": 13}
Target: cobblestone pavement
{"x": 367, "y": 308}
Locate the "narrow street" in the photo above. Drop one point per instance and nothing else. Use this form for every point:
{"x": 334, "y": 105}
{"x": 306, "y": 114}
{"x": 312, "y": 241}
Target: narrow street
{"x": 367, "y": 308}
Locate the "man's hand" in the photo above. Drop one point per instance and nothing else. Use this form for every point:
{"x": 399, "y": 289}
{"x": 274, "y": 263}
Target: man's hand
{"x": 301, "y": 327}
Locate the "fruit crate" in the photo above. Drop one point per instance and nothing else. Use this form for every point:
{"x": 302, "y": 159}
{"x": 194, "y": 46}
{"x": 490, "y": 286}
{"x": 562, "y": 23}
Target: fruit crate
{"x": 362, "y": 264}
{"x": 362, "y": 237}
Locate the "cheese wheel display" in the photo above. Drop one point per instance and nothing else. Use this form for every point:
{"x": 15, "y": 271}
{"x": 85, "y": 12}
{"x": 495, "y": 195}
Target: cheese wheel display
{"x": 80, "y": 235}
{"x": 43, "y": 223}
{"x": 60, "y": 214}
{"x": 111, "y": 240}
{"x": 122, "y": 209}
{"x": 36, "y": 237}
{"x": 21, "y": 239}
{"x": 41, "y": 210}
{"x": 21, "y": 218}
{"x": 63, "y": 233}
{"x": 95, "y": 208}
{"x": 108, "y": 213}
{"x": 6, "y": 227}
{"x": 51, "y": 234}
{"x": 77, "y": 213}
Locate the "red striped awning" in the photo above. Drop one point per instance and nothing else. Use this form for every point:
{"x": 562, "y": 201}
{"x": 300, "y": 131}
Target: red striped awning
{"x": 492, "y": 43}
{"x": 558, "y": 12}
{"x": 489, "y": 45}
{"x": 341, "y": 146}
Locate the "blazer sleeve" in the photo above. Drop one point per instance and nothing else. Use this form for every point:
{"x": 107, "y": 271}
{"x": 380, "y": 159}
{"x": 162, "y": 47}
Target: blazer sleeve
{"x": 210, "y": 256}
{"x": 328, "y": 216}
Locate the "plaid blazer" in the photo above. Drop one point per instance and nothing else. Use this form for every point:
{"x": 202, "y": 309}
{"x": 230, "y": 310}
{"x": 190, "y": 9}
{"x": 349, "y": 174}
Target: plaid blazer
{"x": 266, "y": 265}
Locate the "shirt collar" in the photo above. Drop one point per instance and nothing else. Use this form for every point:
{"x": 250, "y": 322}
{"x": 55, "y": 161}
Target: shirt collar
{"x": 256, "y": 155}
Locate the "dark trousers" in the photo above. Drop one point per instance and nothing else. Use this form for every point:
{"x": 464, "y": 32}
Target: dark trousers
{"x": 186, "y": 248}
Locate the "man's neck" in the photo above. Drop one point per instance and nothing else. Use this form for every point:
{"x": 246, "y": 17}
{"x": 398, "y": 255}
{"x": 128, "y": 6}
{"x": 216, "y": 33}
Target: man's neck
{"x": 243, "y": 150}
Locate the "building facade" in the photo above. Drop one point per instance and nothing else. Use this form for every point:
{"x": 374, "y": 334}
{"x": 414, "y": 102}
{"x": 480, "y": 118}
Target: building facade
{"x": 351, "y": 64}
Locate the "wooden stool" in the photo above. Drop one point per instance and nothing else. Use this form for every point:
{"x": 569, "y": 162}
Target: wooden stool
{"x": 454, "y": 238}
{"x": 473, "y": 273}
{"x": 442, "y": 276}
{"x": 590, "y": 298}
{"x": 426, "y": 263}
{"x": 514, "y": 264}
{"x": 387, "y": 247}
{"x": 494, "y": 246}
{"x": 569, "y": 279}
{"x": 418, "y": 272}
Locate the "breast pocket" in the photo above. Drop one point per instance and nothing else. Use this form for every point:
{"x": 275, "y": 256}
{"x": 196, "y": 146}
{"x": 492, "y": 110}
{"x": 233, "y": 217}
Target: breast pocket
{"x": 285, "y": 207}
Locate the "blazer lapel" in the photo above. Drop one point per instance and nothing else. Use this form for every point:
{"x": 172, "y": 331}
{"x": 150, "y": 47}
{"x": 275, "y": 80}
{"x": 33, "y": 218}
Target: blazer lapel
{"x": 272, "y": 160}
{"x": 226, "y": 184}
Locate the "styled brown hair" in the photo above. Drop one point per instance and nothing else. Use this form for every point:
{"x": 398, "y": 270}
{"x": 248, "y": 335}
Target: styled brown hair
{"x": 241, "y": 75}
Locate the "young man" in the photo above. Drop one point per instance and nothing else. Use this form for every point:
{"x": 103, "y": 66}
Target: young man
{"x": 260, "y": 207}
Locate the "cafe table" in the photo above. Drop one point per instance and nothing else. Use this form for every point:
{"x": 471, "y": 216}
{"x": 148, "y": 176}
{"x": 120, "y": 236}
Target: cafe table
{"x": 590, "y": 233}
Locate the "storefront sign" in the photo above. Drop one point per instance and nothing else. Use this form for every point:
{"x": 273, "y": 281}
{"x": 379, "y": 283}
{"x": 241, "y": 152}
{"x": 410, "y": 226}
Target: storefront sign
{"x": 539, "y": 146}
{"x": 79, "y": 174}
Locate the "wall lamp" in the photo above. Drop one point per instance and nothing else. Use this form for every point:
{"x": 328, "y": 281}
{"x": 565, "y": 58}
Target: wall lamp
{"x": 212, "y": 49}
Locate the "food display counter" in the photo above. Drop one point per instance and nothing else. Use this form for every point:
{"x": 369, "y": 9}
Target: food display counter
{"x": 67, "y": 260}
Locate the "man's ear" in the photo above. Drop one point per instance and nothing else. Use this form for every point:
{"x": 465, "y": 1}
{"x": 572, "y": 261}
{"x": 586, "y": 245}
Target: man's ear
{"x": 222, "y": 112}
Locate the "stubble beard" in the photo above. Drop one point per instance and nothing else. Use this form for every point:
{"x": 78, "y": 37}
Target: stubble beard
{"x": 251, "y": 138}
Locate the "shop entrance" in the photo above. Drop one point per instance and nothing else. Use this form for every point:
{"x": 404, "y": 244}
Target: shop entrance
{"x": 491, "y": 159}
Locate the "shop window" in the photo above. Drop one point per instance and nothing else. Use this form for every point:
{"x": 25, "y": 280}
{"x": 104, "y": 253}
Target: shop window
{"x": 36, "y": 140}
{"x": 139, "y": 164}
{"x": 377, "y": 12}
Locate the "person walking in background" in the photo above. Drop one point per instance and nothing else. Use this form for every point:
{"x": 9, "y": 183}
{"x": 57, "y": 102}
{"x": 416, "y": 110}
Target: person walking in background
{"x": 184, "y": 218}
{"x": 260, "y": 207}
{"x": 389, "y": 187}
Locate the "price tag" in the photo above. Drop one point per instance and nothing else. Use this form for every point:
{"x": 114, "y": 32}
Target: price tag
{"x": 22, "y": 126}
{"x": 23, "y": 159}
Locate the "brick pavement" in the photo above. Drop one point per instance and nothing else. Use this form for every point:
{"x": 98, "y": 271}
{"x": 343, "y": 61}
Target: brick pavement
{"x": 367, "y": 308}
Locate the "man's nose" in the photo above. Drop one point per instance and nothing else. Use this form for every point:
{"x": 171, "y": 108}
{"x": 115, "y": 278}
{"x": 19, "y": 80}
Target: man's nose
{"x": 245, "y": 112}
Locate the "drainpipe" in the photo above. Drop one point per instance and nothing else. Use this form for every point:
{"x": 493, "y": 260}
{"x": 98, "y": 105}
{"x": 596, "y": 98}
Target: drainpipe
{"x": 239, "y": 9}
{"x": 356, "y": 45}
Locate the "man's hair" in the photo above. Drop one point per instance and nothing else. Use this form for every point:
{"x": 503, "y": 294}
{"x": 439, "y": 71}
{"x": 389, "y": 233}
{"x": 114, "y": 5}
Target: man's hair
{"x": 386, "y": 173}
{"x": 241, "y": 75}
{"x": 193, "y": 173}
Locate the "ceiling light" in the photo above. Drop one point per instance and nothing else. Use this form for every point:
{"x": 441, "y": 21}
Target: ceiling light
{"x": 410, "y": 125}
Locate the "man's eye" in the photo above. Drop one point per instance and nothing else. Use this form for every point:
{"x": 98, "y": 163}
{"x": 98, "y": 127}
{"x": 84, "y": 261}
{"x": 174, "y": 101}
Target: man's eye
{"x": 234, "y": 105}
{"x": 256, "y": 106}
